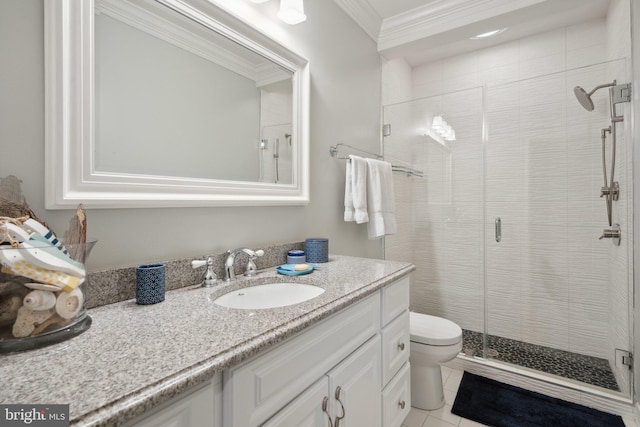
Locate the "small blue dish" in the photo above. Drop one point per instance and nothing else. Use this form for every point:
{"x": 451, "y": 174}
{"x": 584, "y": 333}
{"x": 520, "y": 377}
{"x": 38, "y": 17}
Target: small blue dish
{"x": 288, "y": 270}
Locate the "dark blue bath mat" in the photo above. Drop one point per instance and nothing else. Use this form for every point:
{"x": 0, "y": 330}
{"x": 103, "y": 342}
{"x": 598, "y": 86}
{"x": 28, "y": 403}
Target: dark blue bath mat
{"x": 501, "y": 405}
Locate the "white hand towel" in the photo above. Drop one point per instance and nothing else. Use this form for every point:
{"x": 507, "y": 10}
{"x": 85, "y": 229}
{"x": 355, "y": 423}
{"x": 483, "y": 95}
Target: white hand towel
{"x": 380, "y": 199}
{"x": 349, "y": 211}
{"x": 358, "y": 190}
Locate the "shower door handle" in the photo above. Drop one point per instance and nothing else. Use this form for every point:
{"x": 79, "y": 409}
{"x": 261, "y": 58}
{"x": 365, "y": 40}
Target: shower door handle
{"x": 498, "y": 229}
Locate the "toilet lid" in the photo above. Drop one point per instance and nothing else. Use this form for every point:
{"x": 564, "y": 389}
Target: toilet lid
{"x": 432, "y": 330}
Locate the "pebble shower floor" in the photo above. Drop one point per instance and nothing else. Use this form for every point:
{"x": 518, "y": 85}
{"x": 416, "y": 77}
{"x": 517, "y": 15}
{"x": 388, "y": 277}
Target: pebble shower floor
{"x": 586, "y": 369}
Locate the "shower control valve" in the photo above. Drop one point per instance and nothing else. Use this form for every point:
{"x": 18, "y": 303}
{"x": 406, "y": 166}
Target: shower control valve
{"x": 612, "y": 233}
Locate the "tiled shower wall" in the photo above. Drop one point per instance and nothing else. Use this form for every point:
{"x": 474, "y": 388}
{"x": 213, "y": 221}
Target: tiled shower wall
{"x": 550, "y": 281}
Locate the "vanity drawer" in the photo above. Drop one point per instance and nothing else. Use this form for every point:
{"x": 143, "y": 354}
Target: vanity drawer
{"x": 257, "y": 389}
{"x": 395, "y": 299}
{"x": 396, "y": 398}
{"x": 395, "y": 346}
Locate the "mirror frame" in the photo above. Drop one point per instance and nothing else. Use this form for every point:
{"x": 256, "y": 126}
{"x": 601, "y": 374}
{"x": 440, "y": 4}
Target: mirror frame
{"x": 70, "y": 175}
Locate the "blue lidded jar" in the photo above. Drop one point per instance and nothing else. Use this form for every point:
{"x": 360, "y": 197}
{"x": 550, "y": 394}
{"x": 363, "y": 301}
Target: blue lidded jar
{"x": 317, "y": 249}
{"x": 296, "y": 256}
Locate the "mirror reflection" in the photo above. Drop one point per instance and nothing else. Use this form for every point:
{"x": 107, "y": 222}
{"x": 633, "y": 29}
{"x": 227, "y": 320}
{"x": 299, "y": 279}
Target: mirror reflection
{"x": 176, "y": 99}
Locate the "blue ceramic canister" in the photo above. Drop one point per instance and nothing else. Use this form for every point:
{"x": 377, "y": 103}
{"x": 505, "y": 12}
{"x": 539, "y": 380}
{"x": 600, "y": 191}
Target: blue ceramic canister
{"x": 150, "y": 283}
{"x": 317, "y": 249}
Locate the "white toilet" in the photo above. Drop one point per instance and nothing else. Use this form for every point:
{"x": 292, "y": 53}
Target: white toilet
{"x": 434, "y": 340}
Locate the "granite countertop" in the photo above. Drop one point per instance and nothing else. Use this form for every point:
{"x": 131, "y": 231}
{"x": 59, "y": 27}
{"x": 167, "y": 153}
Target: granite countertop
{"x": 134, "y": 357}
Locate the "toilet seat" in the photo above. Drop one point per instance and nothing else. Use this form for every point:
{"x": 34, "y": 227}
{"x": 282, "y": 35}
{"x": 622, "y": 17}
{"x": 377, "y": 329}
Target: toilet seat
{"x": 432, "y": 330}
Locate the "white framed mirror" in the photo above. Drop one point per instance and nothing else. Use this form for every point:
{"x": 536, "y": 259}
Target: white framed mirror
{"x": 170, "y": 103}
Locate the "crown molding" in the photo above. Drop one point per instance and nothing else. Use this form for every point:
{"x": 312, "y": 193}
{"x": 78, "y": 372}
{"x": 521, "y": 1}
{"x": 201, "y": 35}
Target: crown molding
{"x": 439, "y": 16}
{"x": 364, "y": 15}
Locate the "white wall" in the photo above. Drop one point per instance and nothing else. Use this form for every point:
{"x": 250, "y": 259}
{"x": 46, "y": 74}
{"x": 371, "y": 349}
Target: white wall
{"x": 620, "y": 259}
{"x": 345, "y": 102}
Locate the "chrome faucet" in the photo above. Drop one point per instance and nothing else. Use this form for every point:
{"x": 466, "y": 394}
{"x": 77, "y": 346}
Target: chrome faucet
{"x": 250, "y": 269}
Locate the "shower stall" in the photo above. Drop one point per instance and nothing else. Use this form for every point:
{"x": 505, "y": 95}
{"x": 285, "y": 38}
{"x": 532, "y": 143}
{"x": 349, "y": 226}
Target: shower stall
{"x": 276, "y": 151}
{"x": 511, "y": 226}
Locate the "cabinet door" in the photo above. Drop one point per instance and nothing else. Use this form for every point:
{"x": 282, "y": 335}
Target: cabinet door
{"x": 310, "y": 409}
{"x": 355, "y": 386}
{"x": 256, "y": 390}
{"x": 196, "y": 408}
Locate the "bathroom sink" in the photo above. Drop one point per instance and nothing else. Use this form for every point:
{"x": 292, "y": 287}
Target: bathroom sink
{"x": 270, "y": 295}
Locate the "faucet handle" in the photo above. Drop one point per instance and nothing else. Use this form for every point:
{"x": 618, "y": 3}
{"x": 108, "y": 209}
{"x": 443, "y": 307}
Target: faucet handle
{"x": 197, "y": 263}
{"x": 210, "y": 277}
{"x": 251, "y": 270}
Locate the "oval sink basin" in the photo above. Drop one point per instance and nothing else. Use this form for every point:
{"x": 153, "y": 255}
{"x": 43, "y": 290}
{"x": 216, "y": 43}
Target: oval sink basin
{"x": 270, "y": 295}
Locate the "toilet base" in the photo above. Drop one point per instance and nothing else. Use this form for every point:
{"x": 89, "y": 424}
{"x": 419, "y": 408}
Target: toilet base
{"x": 426, "y": 387}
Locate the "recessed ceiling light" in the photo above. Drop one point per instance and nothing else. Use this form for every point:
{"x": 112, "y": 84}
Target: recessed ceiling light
{"x": 488, "y": 34}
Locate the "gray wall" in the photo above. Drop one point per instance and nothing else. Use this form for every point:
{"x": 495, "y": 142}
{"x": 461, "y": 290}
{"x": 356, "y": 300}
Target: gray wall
{"x": 345, "y": 99}
{"x": 206, "y": 108}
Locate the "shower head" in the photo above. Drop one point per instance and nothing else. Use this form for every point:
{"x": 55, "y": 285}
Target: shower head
{"x": 584, "y": 98}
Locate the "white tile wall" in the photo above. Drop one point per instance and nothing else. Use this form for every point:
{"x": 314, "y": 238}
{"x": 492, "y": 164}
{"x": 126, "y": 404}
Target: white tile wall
{"x": 549, "y": 281}
{"x": 620, "y": 258}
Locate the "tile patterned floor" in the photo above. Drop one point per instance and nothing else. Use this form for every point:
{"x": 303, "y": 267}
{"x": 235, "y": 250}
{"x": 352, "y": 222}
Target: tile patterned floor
{"x": 586, "y": 369}
{"x": 443, "y": 417}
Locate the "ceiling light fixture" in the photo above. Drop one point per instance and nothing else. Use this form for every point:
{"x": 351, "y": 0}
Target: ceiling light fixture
{"x": 292, "y": 11}
{"x": 488, "y": 34}
{"x": 259, "y": 1}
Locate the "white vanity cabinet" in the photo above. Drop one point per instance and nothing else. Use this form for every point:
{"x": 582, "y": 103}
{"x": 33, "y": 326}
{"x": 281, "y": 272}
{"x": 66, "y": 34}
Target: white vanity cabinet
{"x": 348, "y": 393}
{"x": 199, "y": 407}
{"x": 310, "y": 409}
{"x": 396, "y": 340}
{"x": 351, "y": 368}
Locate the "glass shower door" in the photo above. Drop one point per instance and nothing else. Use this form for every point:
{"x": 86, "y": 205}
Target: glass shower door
{"x": 557, "y": 298}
